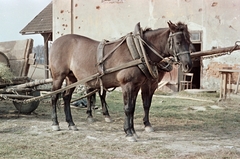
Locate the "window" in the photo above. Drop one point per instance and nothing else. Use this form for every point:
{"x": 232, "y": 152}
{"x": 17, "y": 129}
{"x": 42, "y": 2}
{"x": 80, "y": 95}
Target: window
{"x": 196, "y": 36}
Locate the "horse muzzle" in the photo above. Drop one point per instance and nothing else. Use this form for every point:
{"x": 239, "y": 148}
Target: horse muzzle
{"x": 187, "y": 67}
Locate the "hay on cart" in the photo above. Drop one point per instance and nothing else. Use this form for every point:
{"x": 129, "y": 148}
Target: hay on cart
{"x": 6, "y": 75}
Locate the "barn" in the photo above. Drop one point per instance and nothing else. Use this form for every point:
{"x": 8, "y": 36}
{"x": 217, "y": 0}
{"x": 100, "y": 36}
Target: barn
{"x": 213, "y": 24}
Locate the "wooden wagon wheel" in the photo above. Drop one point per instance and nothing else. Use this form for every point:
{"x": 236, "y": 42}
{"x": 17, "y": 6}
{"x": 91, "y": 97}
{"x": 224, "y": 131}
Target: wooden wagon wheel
{"x": 27, "y": 108}
{"x": 4, "y": 59}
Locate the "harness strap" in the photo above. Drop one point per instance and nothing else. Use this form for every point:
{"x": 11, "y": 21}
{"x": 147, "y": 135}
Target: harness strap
{"x": 153, "y": 50}
{"x": 100, "y": 56}
{"x": 100, "y": 66}
{"x": 173, "y": 34}
{"x": 181, "y": 53}
{"x": 115, "y": 48}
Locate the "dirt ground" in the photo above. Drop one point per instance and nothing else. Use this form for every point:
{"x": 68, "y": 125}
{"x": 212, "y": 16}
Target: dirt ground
{"x": 31, "y": 136}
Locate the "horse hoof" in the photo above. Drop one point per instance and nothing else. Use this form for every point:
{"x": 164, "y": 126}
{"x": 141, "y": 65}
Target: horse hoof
{"x": 136, "y": 136}
{"x": 90, "y": 120}
{"x": 55, "y": 127}
{"x": 74, "y": 128}
{"x": 149, "y": 129}
{"x": 131, "y": 139}
{"x": 108, "y": 120}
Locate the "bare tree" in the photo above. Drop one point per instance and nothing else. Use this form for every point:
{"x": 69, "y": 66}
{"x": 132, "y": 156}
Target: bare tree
{"x": 39, "y": 51}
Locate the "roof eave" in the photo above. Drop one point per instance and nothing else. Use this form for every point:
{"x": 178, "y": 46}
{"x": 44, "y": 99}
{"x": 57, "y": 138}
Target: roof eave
{"x": 35, "y": 32}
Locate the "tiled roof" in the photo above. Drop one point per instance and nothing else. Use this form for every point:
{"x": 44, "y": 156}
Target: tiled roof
{"x": 42, "y": 23}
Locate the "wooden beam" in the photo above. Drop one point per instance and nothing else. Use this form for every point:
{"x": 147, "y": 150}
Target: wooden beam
{"x": 15, "y": 96}
{"x": 215, "y": 51}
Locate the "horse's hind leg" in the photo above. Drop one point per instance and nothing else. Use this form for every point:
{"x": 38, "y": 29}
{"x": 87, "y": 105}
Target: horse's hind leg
{"x": 67, "y": 96}
{"x": 56, "y": 85}
{"x": 104, "y": 106}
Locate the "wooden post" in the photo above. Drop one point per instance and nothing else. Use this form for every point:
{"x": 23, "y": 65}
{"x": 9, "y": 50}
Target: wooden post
{"x": 221, "y": 85}
{"x": 47, "y": 37}
{"x": 224, "y": 84}
{"x": 229, "y": 82}
{"x": 236, "y": 90}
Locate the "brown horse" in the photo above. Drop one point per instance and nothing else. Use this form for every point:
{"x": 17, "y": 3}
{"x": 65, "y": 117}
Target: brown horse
{"x": 73, "y": 57}
{"x": 147, "y": 91}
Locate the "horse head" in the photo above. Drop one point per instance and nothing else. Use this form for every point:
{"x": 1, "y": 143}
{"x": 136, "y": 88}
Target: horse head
{"x": 179, "y": 45}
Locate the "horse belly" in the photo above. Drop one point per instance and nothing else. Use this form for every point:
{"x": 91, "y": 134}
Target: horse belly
{"x": 131, "y": 75}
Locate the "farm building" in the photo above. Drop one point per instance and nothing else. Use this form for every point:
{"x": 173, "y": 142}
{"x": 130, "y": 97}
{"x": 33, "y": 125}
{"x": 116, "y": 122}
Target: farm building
{"x": 213, "y": 24}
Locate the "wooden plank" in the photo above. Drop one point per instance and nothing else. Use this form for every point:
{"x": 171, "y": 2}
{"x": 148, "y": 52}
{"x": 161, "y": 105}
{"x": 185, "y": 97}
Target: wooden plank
{"x": 28, "y": 50}
{"x": 31, "y": 59}
{"x": 18, "y": 54}
{"x": 161, "y": 84}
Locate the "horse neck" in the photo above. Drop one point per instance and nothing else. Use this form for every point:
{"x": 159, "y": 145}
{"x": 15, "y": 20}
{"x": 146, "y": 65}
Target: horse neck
{"x": 158, "y": 40}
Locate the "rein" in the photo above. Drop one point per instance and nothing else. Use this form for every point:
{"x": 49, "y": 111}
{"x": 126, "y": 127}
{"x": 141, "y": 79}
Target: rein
{"x": 171, "y": 47}
{"x": 151, "y": 48}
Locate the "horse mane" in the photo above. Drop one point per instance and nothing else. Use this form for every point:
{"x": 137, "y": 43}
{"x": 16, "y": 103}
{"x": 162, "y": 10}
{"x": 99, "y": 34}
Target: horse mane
{"x": 147, "y": 29}
{"x": 179, "y": 27}
{"x": 183, "y": 27}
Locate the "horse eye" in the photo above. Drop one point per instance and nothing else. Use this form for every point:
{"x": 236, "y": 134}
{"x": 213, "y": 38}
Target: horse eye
{"x": 178, "y": 43}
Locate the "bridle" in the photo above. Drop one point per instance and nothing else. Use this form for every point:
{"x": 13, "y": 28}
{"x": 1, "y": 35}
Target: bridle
{"x": 171, "y": 46}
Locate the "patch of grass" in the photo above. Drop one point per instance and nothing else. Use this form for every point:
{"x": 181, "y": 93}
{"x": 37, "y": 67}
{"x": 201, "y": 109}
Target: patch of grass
{"x": 175, "y": 113}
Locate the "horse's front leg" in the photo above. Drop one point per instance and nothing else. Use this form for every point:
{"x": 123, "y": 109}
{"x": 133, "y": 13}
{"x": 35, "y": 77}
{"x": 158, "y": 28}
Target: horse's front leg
{"x": 129, "y": 98}
{"x": 90, "y": 102}
{"x": 67, "y": 96}
{"x": 104, "y": 106}
{"x": 147, "y": 91}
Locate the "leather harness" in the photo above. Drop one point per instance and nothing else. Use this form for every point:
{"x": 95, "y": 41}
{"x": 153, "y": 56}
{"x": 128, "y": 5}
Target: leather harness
{"x": 136, "y": 49}
{"x": 135, "y": 45}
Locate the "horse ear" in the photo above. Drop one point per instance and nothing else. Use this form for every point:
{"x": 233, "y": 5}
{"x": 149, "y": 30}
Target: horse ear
{"x": 172, "y": 26}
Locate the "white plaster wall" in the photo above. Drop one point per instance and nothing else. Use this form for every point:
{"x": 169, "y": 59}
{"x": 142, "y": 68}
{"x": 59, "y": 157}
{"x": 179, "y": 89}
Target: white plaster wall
{"x": 219, "y": 21}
